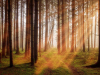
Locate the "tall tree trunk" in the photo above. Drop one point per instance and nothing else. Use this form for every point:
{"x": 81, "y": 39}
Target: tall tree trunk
{"x": 88, "y": 29}
{"x": 32, "y": 31}
{"x": 95, "y": 31}
{"x": 3, "y": 52}
{"x": 10, "y": 30}
{"x": 92, "y": 27}
{"x": 63, "y": 27}
{"x": 17, "y": 37}
{"x": 5, "y": 33}
{"x": 14, "y": 25}
{"x": 83, "y": 29}
{"x": 21, "y": 27}
{"x": 40, "y": 27}
{"x": 73, "y": 12}
{"x": 36, "y": 31}
{"x": 27, "y": 27}
{"x": 46, "y": 32}
{"x": 5, "y": 29}
{"x": 68, "y": 22}
{"x": 8, "y": 48}
{"x": 99, "y": 36}
{"x": 58, "y": 43}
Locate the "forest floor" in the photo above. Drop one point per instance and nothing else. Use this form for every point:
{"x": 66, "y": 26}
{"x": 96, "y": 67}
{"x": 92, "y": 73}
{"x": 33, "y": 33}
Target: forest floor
{"x": 50, "y": 63}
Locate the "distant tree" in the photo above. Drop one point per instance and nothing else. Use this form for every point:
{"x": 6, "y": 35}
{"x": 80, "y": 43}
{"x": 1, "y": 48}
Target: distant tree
{"x": 95, "y": 29}
{"x": 63, "y": 27}
{"x": 58, "y": 42}
{"x": 88, "y": 30}
{"x": 92, "y": 24}
{"x": 40, "y": 27}
{"x": 10, "y": 30}
{"x": 15, "y": 26}
{"x": 27, "y": 17}
{"x": 46, "y": 30}
{"x": 17, "y": 38}
{"x": 21, "y": 26}
{"x": 5, "y": 31}
{"x": 73, "y": 12}
{"x": 3, "y": 52}
{"x": 83, "y": 29}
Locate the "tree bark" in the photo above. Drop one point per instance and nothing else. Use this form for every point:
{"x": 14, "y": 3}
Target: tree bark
{"x": 36, "y": 31}
{"x": 32, "y": 31}
{"x": 10, "y": 30}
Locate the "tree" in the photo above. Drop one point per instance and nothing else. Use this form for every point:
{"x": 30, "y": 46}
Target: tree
{"x": 32, "y": 31}
{"x": 10, "y": 30}
{"x": 88, "y": 30}
{"x": 63, "y": 27}
{"x": 35, "y": 31}
{"x": 21, "y": 26}
{"x": 3, "y": 52}
{"x": 73, "y": 12}
{"x": 98, "y": 62}
{"x": 17, "y": 38}
{"x": 46, "y": 30}
{"x": 15, "y": 26}
{"x": 83, "y": 29}
{"x": 40, "y": 27}
{"x": 58, "y": 43}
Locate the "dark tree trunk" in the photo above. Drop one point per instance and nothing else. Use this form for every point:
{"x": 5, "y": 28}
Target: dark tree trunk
{"x": 36, "y": 31}
{"x": 10, "y": 30}
{"x": 83, "y": 29}
{"x": 32, "y": 31}
{"x": 98, "y": 62}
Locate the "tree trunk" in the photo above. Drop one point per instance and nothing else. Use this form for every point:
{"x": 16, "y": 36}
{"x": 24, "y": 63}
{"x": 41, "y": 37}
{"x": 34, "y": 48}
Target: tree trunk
{"x": 3, "y": 51}
{"x": 17, "y": 37}
{"x": 40, "y": 27}
{"x": 10, "y": 30}
{"x": 88, "y": 29}
{"x": 36, "y": 31}
{"x": 21, "y": 27}
{"x": 58, "y": 43}
{"x": 95, "y": 30}
{"x": 63, "y": 27}
{"x": 46, "y": 32}
{"x": 73, "y": 12}
{"x": 83, "y": 29}
{"x": 32, "y": 31}
{"x": 14, "y": 25}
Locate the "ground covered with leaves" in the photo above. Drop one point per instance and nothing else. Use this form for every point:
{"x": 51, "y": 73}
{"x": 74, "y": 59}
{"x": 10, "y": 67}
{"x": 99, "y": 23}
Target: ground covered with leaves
{"x": 50, "y": 63}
